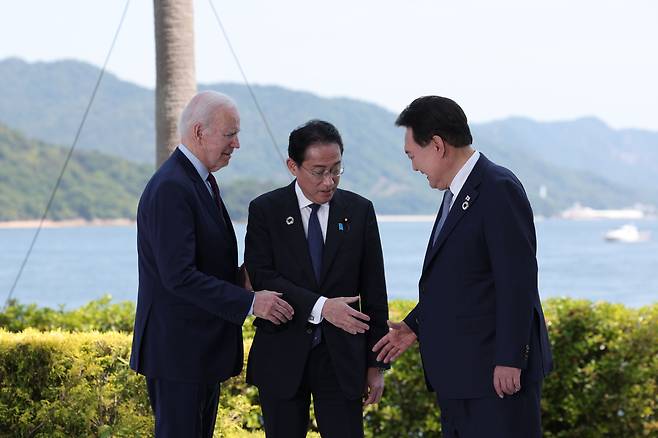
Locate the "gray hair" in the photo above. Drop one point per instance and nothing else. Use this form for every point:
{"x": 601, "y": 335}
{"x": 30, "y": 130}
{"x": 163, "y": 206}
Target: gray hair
{"x": 201, "y": 108}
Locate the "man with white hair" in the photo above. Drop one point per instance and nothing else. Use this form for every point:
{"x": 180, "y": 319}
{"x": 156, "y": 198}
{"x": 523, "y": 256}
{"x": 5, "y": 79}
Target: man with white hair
{"x": 193, "y": 298}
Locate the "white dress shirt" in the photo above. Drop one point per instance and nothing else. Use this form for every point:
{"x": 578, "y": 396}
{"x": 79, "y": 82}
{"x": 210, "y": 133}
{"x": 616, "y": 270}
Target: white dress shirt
{"x": 323, "y": 217}
{"x": 460, "y": 178}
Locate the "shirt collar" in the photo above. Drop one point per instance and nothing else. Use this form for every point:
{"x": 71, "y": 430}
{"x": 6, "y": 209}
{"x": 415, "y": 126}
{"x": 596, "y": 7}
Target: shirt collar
{"x": 460, "y": 179}
{"x": 198, "y": 165}
{"x": 301, "y": 198}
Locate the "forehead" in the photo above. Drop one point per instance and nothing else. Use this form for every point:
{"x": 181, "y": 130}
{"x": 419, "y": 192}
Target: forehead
{"x": 322, "y": 154}
{"x": 226, "y": 117}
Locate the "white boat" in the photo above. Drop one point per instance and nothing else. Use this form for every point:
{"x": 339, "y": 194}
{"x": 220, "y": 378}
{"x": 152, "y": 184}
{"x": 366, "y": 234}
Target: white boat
{"x": 626, "y": 233}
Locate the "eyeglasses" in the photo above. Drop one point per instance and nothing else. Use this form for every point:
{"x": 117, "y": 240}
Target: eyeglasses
{"x": 319, "y": 175}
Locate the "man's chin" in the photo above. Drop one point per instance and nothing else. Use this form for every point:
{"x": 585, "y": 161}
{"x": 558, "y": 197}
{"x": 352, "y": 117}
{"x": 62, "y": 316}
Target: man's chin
{"x": 325, "y": 197}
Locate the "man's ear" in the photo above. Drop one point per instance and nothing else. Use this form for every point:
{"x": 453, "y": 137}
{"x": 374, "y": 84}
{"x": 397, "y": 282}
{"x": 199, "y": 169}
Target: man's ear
{"x": 292, "y": 166}
{"x": 197, "y": 130}
{"x": 438, "y": 144}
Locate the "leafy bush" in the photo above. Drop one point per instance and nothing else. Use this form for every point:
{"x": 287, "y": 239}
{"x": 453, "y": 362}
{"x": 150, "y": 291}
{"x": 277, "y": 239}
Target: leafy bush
{"x": 60, "y": 384}
{"x": 100, "y": 315}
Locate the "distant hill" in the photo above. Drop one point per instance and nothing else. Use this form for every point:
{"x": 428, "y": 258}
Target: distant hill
{"x": 46, "y": 101}
{"x": 95, "y": 185}
{"x": 626, "y": 156}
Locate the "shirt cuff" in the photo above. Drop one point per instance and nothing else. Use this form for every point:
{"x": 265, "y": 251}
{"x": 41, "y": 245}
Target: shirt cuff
{"x": 316, "y": 313}
{"x": 251, "y": 309}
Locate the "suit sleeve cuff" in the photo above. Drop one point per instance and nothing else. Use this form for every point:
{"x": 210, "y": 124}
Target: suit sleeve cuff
{"x": 316, "y": 314}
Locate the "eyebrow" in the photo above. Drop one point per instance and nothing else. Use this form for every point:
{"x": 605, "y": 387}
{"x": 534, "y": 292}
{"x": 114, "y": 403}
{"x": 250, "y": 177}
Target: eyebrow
{"x": 318, "y": 166}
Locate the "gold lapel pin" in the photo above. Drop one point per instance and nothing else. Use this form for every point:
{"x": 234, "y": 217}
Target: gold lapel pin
{"x": 290, "y": 220}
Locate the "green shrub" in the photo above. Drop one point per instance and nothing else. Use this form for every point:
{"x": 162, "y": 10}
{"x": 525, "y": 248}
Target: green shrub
{"x": 100, "y": 315}
{"x": 606, "y": 370}
{"x": 61, "y": 384}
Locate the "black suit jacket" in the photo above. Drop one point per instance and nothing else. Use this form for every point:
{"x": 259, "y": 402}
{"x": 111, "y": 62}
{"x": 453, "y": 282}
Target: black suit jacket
{"x": 188, "y": 325}
{"x": 478, "y": 303}
{"x": 277, "y": 258}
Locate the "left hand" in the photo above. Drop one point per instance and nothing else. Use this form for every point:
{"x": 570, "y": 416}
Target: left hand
{"x": 506, "y": 380}
{"x": 243, "y": 278}
{"x": 374, "y": 386}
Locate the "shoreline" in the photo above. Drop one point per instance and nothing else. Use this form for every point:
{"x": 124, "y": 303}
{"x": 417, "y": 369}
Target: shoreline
{"x": 125, "y": 222}
{"x": 34, "y": 223}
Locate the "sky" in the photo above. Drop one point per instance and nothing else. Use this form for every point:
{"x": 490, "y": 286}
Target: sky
{"x": 547, "y": 60}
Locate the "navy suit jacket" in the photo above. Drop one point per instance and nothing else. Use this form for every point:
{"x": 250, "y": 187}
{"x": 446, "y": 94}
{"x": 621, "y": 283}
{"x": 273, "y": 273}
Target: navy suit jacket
{"x": 277, "y": 258}
{"x": 188, "y": 325}
{"x": 478, "y": 300}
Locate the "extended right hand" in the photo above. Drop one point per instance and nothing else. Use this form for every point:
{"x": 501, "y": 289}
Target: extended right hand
{"x": 338, "y": 312}
{"x": 398, "y": 339}
{"x": 268, "y": 305}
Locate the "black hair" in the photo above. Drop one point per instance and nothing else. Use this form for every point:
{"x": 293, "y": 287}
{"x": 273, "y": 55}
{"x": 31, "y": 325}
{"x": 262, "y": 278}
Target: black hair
{"x": 312, "y": 132}
{"x": 428, "y": 116}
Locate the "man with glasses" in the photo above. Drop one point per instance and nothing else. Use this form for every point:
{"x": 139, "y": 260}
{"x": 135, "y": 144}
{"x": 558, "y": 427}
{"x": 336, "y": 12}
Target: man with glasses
{"x": 320, "y": 247}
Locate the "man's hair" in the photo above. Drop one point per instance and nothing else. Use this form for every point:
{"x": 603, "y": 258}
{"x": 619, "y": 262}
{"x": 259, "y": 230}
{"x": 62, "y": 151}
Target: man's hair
{"x": 312, "y": 132}
{"x": 201, "y": 108}
{"x": 428, "y": 116}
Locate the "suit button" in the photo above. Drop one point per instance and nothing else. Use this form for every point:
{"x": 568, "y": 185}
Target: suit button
{"x": 309, "y": 331}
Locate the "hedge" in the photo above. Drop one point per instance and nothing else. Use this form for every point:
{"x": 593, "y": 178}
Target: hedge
{"x": 75, "y": 384}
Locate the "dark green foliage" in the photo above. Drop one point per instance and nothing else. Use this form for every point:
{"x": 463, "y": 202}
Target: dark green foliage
{"x": 56, "y": 384}
{"x": 94, "y": 185}
{"x": 98, "y": 315}
{"x": 605, "y": 382}
{"x": 574, "y": 161}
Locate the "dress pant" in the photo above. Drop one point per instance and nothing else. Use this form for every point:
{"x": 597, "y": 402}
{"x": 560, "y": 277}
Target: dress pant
{"x": 183, "y": 409}
{"x": 514, "y": 416}
{"x": 336, "y": 415}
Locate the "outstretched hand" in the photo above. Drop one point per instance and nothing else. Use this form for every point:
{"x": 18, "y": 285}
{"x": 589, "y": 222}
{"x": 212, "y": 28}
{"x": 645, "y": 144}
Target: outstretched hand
{"x": 399, "y": 338}
{"x": 338, "y": 312}
{"x": 269, "y": 305}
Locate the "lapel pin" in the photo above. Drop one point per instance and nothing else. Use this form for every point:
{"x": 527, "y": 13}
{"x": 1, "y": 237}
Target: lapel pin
{"x": 290, "y": 220}
{"x": 465, "y": 204}
{"x": 340, "y": 227}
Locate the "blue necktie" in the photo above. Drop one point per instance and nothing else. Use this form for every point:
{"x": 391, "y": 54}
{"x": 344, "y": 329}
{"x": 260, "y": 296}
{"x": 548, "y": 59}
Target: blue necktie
{"x": 315, "y": 249}
{"x": 315, "y": 241}
{"x": 445, "y": 209}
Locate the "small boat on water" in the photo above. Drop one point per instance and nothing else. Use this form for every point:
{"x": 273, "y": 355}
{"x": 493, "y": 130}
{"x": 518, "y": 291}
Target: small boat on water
{"x": 626, "y": 233}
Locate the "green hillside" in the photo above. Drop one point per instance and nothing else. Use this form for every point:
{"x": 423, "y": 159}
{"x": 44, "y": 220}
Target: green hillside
{"x": 95, "y": 185}
{"x": 46, "y": 101}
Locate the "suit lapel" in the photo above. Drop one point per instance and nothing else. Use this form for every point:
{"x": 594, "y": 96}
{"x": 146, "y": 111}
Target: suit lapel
{"x": 460, "y": 207}
{"x": 199, "y": 186}
{"x": 337, "y": 225}
{"x": 293, "y": 228}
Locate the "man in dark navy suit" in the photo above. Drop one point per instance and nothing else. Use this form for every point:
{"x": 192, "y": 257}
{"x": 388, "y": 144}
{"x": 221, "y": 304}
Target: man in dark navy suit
{"x": 191, "y": 304}
{"x": 320, "y": 246}
{"x": 479, "y": 321}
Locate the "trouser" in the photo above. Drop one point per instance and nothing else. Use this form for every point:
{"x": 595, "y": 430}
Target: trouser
{"x": 183, "y": 409}
{"x": 514, "y": 416}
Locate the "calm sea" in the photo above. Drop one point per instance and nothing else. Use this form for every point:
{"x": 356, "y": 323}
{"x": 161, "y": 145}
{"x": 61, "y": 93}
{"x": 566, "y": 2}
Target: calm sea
{"x": 70, "y": 266}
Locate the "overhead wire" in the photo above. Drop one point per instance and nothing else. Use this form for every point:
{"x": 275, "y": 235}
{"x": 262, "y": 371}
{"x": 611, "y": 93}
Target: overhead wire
{"x": 246, "y": 82}
{"x": 68, "y": 158}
